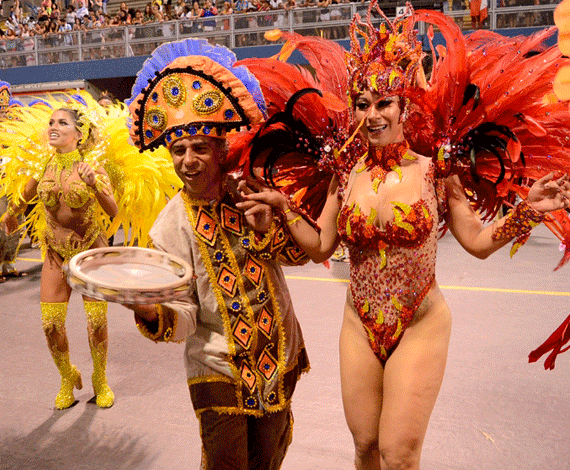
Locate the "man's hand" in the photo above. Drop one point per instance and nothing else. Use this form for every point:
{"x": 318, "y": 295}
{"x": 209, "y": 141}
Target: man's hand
{"x": 257, "y": 204}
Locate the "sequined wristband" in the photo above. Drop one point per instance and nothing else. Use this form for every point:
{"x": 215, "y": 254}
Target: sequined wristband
{"x": 519, "y": 223}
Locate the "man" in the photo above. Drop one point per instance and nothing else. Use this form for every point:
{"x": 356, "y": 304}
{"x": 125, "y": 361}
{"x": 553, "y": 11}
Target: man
{"x": 82, "y": 11}
{"x": 244, "y": 348}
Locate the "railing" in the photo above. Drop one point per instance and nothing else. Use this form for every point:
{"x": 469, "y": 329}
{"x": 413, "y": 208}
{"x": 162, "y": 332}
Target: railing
{"x": 237, "y": 30}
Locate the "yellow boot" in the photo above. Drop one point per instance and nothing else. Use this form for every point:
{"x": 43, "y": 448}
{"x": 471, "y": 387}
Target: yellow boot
{"x": 97, "y": 329}
{"x": 53, "y": 322}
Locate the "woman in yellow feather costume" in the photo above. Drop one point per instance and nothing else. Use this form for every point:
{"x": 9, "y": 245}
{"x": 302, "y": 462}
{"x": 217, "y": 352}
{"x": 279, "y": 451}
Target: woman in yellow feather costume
{"x": 87, "y": 181}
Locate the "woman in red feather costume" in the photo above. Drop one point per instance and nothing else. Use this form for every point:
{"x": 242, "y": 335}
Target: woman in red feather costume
{"x": 379, "y": 157}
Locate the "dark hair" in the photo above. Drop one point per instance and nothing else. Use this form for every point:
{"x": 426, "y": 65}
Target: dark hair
{"x": 107, "y": 95}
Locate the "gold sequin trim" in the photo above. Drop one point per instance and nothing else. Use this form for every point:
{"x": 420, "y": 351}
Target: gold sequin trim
{"x": 156, "y": 118}
{"x": 174, "y": 91}
{"x": 208, "y": 102}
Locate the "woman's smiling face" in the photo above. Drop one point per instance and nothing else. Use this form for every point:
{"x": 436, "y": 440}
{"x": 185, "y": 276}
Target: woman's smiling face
{"x": 380, "y": 117}
{"x": 62, "y": 133}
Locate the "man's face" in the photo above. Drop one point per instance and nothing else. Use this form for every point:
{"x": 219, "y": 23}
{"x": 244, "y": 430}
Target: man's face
{"x": 197, "y": 163}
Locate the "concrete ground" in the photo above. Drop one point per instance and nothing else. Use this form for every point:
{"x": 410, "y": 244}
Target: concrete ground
{"x": 495, "y": 411}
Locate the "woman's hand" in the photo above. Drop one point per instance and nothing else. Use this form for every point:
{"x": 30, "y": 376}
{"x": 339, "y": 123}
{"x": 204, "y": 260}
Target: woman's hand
{"x": 86, "y": 173}
{"x": 9, "y": 223}
{"x": 256, "y": 205}
{"x": 549, "y": 193}
{"x": 257, "y": 191}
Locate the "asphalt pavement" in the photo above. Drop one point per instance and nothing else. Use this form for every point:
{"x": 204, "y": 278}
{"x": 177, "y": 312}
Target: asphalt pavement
{"x": 494, "y": 412}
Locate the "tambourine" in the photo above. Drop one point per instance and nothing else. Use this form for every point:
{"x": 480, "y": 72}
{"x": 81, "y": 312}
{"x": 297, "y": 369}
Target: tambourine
{"x": 129, "y": 275}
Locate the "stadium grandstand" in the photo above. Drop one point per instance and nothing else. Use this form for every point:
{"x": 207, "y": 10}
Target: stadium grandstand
{"x": 51, "y": 45}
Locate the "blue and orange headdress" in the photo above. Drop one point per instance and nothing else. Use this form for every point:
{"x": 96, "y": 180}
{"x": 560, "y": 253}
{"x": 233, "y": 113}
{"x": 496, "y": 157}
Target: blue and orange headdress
{"x": 6, "y": 99}
{"x": 190, "y": 88}
{"x": 390, "y": 59}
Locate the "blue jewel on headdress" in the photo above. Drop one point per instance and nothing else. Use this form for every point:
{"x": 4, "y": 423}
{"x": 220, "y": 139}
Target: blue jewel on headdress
{"x": 169, "y": 138}
{"x": 178, "y": 132}
{"x": 192, "y": 130}
{"x": 228, "y": 114}
{"x": 209, "y": 102}
{"x": 148, "y": 133}
{"x": 206, "y": 130}
{"x": 175, "y": 91}
{"x": 154, "y": 96}
{"x": 196, "y": 85}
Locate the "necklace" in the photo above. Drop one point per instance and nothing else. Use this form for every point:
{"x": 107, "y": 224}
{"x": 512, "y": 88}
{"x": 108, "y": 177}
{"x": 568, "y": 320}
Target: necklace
{"x": 65, "y": 161}
{"x": 381, "y": 161}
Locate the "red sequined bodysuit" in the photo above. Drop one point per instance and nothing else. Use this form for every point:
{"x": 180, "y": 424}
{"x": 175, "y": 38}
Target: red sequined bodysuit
{"x": 391, "y": 270}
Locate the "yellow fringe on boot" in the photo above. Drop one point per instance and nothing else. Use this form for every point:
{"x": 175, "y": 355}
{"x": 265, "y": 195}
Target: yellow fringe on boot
{"x": 96, "y": 313}
{"x": 53, "y": 318}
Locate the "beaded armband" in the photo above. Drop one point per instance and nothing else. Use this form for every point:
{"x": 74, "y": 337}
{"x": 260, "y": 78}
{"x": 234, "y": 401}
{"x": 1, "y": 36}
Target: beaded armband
{"x": 520, "y": 221}
{"x": 103, "y": 184}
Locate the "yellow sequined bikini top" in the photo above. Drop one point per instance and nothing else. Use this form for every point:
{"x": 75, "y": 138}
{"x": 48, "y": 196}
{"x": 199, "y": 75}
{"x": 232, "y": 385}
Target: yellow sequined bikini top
{"x": 61, "y": 181}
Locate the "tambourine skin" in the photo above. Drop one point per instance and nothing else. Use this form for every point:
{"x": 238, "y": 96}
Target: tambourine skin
{"x": 129, "y": 275}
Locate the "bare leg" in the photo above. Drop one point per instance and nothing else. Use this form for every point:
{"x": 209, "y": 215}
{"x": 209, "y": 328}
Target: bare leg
{"x": 361, "y": 376}
{"x": 388, "y": 410}
{"x": 412, "y": 379}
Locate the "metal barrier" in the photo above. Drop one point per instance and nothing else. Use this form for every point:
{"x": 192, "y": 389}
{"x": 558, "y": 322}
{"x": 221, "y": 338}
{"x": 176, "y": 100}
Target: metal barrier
{"x": 236, "y": 30}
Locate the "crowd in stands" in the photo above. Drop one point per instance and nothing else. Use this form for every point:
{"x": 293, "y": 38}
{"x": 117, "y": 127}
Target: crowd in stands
{"x": 54, "y": 18}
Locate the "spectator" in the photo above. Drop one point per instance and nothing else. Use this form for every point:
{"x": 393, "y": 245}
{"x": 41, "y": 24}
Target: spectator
{"x": 309, "y": 13}
{"x": 168, "y": 10}
{"x": 158, "y": 16}
{"x": 70, "y": 15}
{"x": 12, "y": 46}
{"x": 337, "y": 32}
{"x": 137, "y": 21}
{"x": 79, "y": 26}
{"x": 209, "y": 10}
{"x": 82, "y": 10}
{"x": 290, "y": 5}
{"x": 18, "y": 10}
{"x": 123, "y": 12}
{"x": 43, "y": 15}
{"x": 325, "y": 16}
{"x": 66, "y": 33}
{"x": 2, "y": 40}
{"x": 148, "y": 16}
{"x": 13, "y": 17}
{"x": 179, "y": 8}
{"x": 48, "y": 6}
{"x": 194, "y": 15}
{"x": 266, "y": 20}
{"x": 226, "y": 10}
{"x": 28, "y": 44}
{"x": 55, "y": 11}
{"x": 158, "y": 4}
{"x": 478, "y": 11}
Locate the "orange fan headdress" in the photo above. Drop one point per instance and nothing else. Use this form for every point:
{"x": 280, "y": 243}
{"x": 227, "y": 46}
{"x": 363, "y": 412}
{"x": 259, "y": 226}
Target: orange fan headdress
{"x": 191, "y": 88}
{"x": 389, "y": 61}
